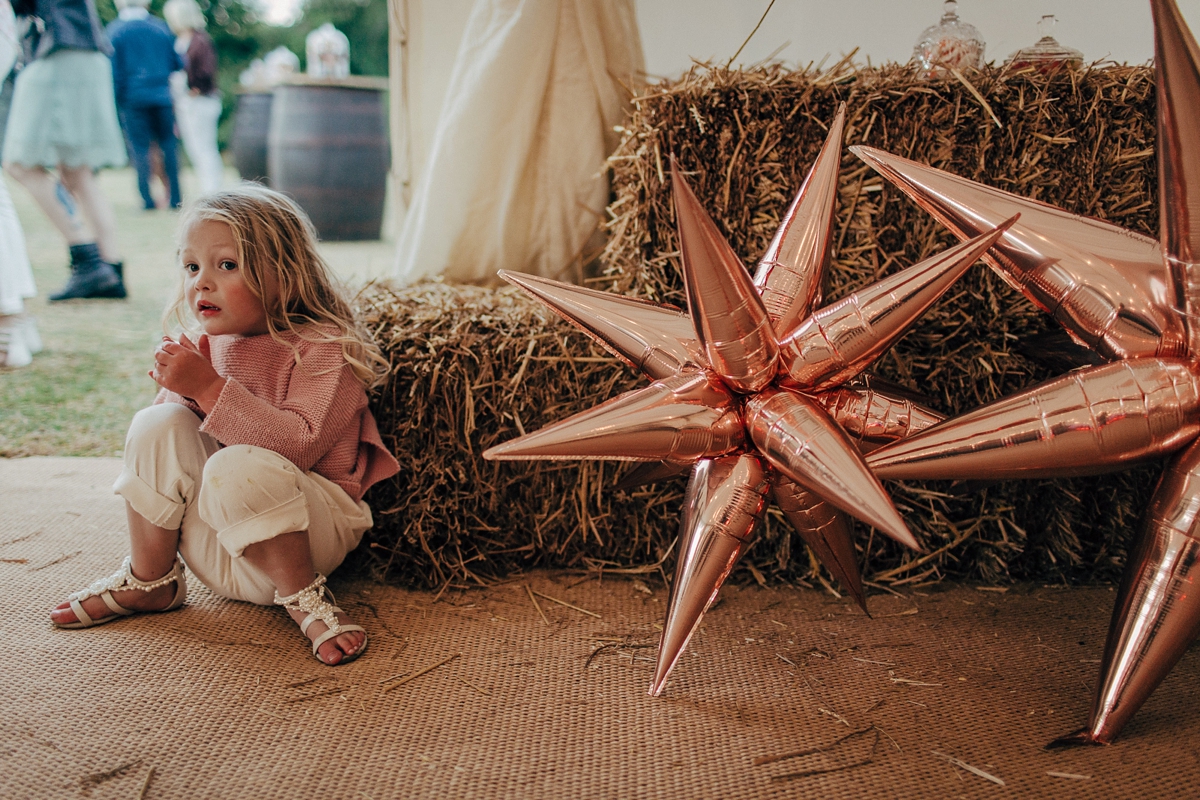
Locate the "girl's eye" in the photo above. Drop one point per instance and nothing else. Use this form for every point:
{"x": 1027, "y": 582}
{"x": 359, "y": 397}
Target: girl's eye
{"x": 191, "y": 267}
{"x": 228, "y": 266}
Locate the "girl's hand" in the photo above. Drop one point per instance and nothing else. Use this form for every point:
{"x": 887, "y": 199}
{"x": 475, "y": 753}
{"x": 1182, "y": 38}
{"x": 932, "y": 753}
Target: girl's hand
{"x": 186, "y": 368}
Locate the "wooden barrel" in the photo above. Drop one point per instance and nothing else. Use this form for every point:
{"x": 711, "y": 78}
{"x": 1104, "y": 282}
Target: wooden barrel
{"x": 327, "y": 149}
{"x": 251, "y": 120}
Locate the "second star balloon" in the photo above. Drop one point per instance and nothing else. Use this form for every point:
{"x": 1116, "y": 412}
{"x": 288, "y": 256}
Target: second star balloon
{"x": 1128, "y": 298}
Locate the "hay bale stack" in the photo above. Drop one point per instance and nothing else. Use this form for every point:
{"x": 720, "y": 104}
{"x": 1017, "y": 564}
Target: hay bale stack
{"x": 1083, "y": 141}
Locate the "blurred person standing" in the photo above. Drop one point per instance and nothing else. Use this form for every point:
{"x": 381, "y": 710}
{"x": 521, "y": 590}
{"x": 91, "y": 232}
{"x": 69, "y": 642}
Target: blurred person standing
{"x": 197, "y": 99}
{"x": 63, "y": 117}
{"x": 157, "y": 171}
{"x": 143, "y": 59}
{"x": 18, "y": 333}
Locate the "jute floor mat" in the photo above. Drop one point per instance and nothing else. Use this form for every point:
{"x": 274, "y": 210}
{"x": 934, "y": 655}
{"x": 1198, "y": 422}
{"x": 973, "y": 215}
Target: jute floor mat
{"x": 947, "y": 692}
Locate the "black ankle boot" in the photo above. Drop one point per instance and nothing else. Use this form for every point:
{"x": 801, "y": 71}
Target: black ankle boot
{"x": 117, "y": 292}
{"x": 90, "y": 275}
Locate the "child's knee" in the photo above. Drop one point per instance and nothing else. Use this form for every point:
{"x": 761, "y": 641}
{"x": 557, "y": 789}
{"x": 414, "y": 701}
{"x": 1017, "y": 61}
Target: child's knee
{"x": 164, "y": 455}
{"x": 248, "y": 465}
{"x": 153, "y": 424}
{"x": 250, "y": 494}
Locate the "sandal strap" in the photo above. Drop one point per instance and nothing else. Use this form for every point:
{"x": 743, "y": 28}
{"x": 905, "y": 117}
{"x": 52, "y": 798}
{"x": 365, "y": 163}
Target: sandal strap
{"x": 84, "y": 618}
{"x": 329, "y": 634}
{"x": 311, "y": 618}
{"x": 114, "y": 606}
{"x": 124, "y": 579}
{"x": 311, "y": 600}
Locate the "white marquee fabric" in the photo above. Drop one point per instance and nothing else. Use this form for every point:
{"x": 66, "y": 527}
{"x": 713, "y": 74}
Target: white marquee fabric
{"x": 514, "y": 175}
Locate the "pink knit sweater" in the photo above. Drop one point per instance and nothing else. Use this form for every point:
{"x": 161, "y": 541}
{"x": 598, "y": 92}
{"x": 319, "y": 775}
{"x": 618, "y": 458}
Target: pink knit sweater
{"x": 314, "y": 413}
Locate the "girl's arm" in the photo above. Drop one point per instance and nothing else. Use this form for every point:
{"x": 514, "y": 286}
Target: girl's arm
{"x": 323, "y": 397}
{"x": 185, "y": 369}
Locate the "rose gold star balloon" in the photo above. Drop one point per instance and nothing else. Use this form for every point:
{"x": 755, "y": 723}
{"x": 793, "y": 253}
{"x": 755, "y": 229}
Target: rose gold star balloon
{"x": 1129, "y": 299}
{"x": 751, "y": 391}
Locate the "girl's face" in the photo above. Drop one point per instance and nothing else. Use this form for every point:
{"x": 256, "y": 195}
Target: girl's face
{"x": 214, "y": 285}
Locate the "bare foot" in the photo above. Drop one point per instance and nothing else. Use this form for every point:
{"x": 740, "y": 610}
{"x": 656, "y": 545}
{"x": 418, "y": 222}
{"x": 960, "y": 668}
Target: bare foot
{"x": 132, "y": 599}
{"x": 336, "y": 649}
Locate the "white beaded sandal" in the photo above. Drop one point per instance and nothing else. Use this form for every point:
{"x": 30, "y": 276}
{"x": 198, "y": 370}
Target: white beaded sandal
{"x": 311, "y": 600}
{"x": 121, "y": 580}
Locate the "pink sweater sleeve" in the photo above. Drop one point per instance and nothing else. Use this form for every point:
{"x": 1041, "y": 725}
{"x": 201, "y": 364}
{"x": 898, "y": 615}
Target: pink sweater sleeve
{"x": 319, "y": 404}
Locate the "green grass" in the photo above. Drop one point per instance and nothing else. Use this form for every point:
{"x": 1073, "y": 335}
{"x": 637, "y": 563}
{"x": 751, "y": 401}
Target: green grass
{"x": 78, "y": 396}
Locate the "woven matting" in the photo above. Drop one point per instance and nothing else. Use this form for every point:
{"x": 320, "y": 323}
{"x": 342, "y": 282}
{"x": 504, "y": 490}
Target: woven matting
{"x": 222, "y": 700}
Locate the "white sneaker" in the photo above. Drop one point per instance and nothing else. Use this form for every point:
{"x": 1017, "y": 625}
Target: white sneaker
{"x": 29, "y": 332}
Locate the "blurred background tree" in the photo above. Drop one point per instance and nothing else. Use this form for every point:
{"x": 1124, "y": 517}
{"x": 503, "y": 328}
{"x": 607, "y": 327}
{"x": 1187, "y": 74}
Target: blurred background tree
{"x": 240, "y": 36}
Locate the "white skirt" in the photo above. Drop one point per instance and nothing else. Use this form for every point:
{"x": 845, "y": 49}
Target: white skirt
{"x": 63, "y": 112}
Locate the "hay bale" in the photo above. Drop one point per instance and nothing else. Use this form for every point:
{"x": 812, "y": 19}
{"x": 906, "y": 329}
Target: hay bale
{"x": 472, "y": 367}
{"x": 1083, "y": 141}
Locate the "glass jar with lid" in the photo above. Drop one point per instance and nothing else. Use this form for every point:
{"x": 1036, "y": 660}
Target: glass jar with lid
{"x": 1046, "y": 54}
{"x": 951, "y": 44}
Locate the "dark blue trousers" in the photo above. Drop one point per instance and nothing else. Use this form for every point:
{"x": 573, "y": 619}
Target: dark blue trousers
{"x": 148, "y": 124}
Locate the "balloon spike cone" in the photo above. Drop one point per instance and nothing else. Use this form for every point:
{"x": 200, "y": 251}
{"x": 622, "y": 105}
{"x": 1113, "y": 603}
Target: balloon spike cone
{"x": 824, "y": 529}
{"x": 790, "y": 272}
{"x": 679, "y": 419}
{"x": 1086, "y": 422}
{"x": 725, "y": 501}
{"x": 874, "y": 417}
{"x": 658, "y": 340}
{"x": 1104, "y": 284}
{"x": 1157, "y": 614}
{"x": 800, "y": 440}
{"x": 731, "y": 322}
{"x": 1177, "y": 74}
{"x": 842, "y": 339}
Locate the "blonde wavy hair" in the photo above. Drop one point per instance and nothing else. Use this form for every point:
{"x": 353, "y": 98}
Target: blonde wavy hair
{"x": 277, "y": 247}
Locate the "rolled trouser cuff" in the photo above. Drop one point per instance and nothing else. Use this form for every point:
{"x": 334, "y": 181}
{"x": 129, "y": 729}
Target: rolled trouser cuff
{"x": 288, "y": 516}
{"x": 164, "y": 459}
{"x": 147, "y": 502}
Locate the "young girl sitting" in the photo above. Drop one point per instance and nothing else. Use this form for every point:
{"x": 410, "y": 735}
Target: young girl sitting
{"x": 254, "y": 458}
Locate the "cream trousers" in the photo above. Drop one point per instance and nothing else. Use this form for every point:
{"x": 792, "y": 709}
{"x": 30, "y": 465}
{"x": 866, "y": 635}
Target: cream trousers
{"x": 197, "y": 116}
{"x": 224, "y": 498}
